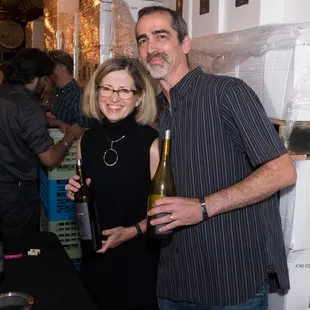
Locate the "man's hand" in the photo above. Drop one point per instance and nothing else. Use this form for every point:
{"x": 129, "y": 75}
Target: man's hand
{"x": 117, "y": 236}
{"x": 181, "y": 212}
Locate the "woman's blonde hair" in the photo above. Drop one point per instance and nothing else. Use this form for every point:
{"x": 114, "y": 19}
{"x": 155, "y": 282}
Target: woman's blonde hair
{"x": 147, "y": 109}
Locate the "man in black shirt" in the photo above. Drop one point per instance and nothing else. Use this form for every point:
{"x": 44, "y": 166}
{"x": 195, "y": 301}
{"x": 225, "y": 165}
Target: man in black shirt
{"x": 228, "y": 163}
{"x": 25, "y": 140}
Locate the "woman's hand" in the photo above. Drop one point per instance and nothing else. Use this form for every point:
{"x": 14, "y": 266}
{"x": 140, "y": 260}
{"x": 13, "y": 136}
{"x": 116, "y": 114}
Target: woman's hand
{"x": 117, "y": 236}
{"x": 73, "y": 186}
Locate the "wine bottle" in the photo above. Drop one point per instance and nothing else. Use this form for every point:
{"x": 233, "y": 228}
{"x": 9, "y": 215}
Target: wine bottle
{"x": 2, "y": 272}
{"x": 162, "y": 185}
{"x": 86, "y": 215}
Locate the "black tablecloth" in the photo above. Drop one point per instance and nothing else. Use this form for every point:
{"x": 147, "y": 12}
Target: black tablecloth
{"x": 50, "y": 277}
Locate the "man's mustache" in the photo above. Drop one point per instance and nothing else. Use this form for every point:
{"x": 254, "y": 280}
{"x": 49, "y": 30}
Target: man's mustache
{"x": 157, "y": 55}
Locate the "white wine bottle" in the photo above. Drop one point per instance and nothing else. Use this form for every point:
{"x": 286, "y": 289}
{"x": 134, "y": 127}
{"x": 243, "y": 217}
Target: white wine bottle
{"x": 86, "y": 215}
{"x": 162, "y": 185}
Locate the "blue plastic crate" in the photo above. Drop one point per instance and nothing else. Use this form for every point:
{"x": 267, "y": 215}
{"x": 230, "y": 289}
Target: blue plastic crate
{"x": 43, "y": 188}
{"x": 57, "y": 206}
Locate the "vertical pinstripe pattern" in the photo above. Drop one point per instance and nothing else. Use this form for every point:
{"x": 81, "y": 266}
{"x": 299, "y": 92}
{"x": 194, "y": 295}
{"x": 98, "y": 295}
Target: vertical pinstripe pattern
{"x": 67, "y": 106}
{"x": 220, "y": 134}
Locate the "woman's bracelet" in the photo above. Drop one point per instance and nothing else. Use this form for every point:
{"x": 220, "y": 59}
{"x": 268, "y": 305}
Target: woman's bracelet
{"x": 139, "y": 231}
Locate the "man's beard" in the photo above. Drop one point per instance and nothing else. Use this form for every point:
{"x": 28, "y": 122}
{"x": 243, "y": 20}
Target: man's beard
{"x": 158, "y": 71}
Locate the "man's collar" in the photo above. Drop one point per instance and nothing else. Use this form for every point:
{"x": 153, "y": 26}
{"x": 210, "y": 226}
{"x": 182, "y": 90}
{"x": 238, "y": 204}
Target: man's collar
{"x": 68, "y": 85}
{"x": 182, "y": 86}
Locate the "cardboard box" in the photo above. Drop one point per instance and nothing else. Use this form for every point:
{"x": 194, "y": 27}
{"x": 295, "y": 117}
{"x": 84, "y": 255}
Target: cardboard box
{"x": 298, "y": 297}
{"x": 275, "y": 77}
{"x": 295, "y": 210}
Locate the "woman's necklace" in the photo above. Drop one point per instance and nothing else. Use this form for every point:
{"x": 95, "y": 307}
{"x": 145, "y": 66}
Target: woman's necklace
{"x": 112, "y": 152}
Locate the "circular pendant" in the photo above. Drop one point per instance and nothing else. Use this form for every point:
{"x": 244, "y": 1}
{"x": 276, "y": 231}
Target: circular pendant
{"x": 106, "y": 160}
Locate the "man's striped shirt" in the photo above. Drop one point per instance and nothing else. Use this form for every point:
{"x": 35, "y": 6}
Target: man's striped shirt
{"x": 220, "y": 135}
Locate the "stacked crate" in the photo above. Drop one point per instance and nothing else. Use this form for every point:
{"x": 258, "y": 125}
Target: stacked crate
{"x": 57, "y": 211}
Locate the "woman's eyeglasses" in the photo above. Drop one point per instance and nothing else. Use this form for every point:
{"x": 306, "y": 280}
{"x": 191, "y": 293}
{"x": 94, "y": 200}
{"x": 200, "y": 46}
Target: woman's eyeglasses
{"x": 123, "y": 93}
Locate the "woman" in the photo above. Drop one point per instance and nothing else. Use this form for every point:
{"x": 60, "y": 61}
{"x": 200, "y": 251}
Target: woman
{"x": 120, "y": 157}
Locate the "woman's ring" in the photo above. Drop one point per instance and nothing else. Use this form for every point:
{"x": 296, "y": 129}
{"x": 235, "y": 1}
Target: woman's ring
{"x": 171, "y": 217}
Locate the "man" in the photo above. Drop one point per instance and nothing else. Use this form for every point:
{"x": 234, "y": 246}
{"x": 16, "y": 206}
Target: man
{"x": 228, "y": 164}
{"x": 24, "y": 138}
{"x": 66, "y": 108}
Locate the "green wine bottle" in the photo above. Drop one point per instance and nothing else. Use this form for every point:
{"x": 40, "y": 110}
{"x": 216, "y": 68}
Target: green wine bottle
{"x": 162, "y": 185}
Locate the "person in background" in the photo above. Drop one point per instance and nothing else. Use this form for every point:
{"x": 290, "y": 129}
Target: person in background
{"x": 228, "y": 164}
{"x": 120, "y": 157}
{"x": 66, "y": 108}
{"x": 25, "y": 140}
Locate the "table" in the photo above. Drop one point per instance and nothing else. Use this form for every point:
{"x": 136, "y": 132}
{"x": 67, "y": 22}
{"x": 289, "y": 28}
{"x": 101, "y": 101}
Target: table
{"x": 50, "y": 277}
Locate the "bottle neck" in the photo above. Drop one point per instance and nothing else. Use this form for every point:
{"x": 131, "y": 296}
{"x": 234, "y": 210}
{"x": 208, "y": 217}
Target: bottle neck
{"x": 166, "y": 148}
{"x": 79, "y": 172}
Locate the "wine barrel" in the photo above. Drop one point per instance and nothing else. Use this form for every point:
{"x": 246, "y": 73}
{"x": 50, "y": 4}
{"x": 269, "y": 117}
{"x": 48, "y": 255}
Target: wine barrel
{"x": 39, "y": 4}
{"x": 23, "y": 17}
{"x": 9, "y": 4}
{"x": 28, "y": 10}
{"x": 11, "y": 34}
{"x": 26, "y": 5}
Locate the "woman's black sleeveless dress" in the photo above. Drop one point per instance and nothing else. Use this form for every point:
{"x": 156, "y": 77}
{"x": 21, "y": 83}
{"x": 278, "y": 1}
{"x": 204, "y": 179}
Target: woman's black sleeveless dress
{"x": 123, "y": 278}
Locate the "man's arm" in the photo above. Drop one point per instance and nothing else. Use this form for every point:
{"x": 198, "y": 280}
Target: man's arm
{"x": 56, "y": 152}
{"x": 64, "y": 127}
{"x": 53, "y": 122}
{"x": 259, "y": 185}
{"x": 251, "y": 132}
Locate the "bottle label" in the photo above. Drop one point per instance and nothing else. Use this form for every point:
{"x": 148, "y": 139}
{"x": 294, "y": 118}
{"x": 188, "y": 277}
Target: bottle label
{"x": 83, "y": 221}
